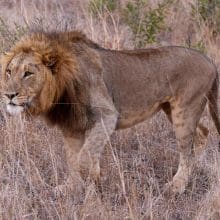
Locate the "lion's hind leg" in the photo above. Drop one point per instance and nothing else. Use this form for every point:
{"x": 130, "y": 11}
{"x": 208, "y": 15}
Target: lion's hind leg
{"x": 201, "y": 131}
{"x": 185, "y": 119}
{"x": 200, "y": 139}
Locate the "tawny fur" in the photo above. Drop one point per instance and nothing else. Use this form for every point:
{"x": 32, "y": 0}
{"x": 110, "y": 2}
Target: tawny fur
{"x": 89, "y": 92}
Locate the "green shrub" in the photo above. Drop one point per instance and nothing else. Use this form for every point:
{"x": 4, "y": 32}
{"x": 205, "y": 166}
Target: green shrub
{"x": 200, "y": 45}
{"x": 145, "y": 23}
{"x": 97, "y": 7}
{"x": 207, "y": 8}
{"x": 209, "y": 12}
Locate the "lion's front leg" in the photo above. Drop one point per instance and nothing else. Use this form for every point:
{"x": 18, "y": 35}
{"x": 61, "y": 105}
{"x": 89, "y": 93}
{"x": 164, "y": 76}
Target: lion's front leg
{"x": 74, "y": 182}
{"x": 73, "y": 145}
{"x": 96, "y": 139}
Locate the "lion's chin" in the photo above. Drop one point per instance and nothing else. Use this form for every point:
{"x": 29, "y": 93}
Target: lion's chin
{"x": 14, "y": 109}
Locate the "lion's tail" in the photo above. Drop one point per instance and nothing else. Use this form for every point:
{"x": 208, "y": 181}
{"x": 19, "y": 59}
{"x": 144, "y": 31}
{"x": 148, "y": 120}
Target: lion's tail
{"x": 213, "y": 103}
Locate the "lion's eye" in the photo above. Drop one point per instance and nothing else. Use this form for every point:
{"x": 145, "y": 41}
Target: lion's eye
{"x": 27, "y": 73}
{"x": 8, "y": 72}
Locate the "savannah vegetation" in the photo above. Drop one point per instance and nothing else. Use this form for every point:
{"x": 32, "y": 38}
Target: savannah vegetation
{"x": 140, "y": 160}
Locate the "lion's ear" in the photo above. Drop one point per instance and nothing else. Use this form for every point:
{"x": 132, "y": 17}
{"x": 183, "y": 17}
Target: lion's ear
{"x": 50, "y": 61}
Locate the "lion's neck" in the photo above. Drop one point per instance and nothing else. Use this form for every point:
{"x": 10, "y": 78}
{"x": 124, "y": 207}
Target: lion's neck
{"x": 71, "y": 114}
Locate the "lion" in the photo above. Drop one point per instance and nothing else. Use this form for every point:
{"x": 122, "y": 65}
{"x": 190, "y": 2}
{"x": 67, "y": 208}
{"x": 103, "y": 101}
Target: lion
{"x": 89, "y": 92}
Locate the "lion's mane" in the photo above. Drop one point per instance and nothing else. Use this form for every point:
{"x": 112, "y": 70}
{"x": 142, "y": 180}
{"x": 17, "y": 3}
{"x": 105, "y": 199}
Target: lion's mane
{"x": 71, "y": 109}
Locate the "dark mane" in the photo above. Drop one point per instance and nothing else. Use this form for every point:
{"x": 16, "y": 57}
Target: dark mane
{"x": 72, "y": 111}
{"x": 67, "y": 37}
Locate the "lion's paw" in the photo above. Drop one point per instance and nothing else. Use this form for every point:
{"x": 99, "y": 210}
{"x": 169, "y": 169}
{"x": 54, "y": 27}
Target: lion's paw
{"x": 73, "y": 185}
{"x": 176, "y": 186}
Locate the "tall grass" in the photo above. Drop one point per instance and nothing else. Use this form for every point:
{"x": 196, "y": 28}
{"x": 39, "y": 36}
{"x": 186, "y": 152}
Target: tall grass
{"x": 136, "y": 163}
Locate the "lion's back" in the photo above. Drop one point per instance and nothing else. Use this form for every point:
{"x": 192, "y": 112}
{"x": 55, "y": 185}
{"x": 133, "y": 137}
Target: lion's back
{"x": 139, "y": 78}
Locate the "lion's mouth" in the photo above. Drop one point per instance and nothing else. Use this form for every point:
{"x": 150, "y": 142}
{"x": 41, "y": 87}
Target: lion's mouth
{"x": 14, "y": 109}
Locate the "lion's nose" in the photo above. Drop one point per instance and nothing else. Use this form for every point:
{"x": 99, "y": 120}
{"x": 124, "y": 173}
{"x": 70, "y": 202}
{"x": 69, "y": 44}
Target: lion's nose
{"x": 11, "y": 95}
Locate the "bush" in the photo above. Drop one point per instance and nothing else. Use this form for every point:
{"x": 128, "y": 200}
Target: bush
{"x": 145, "y": 23}
{"x": 200, "y": 45}
{"x": 209, "y": 12}
{"x": 207, "y": 8}
{"x": 97, "y": 7}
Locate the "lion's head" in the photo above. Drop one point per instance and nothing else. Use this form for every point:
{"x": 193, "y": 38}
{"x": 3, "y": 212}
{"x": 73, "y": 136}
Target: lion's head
{"x": 36, "y": 72}
{"x": 27, "y": 83}
{"x": 41, "y": 75}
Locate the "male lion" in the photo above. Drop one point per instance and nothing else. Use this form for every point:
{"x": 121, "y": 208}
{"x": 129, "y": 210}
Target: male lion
{"x": 89, "y": 91}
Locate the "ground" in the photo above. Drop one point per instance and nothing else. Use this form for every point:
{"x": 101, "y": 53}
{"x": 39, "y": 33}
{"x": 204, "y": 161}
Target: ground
{"x": 137, "y": 163}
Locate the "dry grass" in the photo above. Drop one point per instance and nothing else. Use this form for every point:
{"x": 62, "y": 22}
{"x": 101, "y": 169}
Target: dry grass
{"x": 137, "y": 163}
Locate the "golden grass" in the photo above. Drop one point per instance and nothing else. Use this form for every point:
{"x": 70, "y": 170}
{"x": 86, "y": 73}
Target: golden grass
{"x": 135, "y": 166}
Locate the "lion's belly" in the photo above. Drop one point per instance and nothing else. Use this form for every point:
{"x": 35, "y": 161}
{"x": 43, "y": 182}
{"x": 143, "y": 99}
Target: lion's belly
{"x": 128, "y": 119}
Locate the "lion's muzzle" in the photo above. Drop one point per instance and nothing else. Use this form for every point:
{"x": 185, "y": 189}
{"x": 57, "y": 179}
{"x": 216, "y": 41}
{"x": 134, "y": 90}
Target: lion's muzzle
{"x": 12, "y": 106}
{"x": 14, "y": 109}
